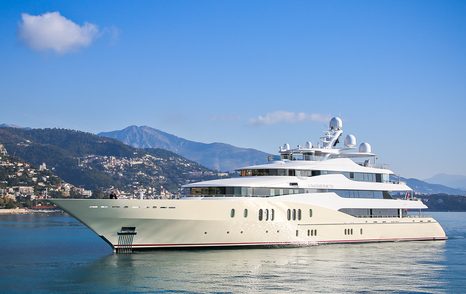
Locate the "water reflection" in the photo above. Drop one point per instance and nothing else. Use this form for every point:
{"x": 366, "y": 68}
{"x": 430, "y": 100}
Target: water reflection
{"x": 400, "y": 267}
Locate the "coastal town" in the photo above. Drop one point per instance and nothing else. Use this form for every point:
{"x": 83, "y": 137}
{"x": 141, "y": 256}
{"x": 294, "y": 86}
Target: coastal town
{"x": 25, "y": 186}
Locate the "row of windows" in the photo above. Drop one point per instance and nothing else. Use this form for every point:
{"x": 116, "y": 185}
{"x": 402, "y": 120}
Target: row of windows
{"x": 269, "y": 214}
{"x": 245, "y": 212}
{"x": 362, "y": 194}
{"x": 264, "y": 214}
{"x": 374, "y": 212}
{"x": 270, "y": 192}
{"x": 247, "y": 191}
{"x": 295, "y": 214}
{"x": 312, "y": 232}
{"x": 350, "y": 231}
{"x": 356, "y": 176}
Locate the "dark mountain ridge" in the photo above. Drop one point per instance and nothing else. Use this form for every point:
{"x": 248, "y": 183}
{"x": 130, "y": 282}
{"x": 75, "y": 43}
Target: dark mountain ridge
{"x": 217, "y": 156}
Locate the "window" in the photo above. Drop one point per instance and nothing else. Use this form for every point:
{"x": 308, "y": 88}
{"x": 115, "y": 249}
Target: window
{"x": 294, "y": 214}
{"x": 288, "y": 214}
{"x": 378, "y": 178}
{"x": 299, "y": 214}
{"x": 297, "y": 232}
{"x": 266, "y": 214}
{"x": 360, "y": 231}
{"x": 272, "y": 217}
{"x": 260, "y": 214}
{"x": 232, "y": 213}
{"x": 246, "y": 212}
{"x": 310, "y": 212}
{"x": 308, "y": 232}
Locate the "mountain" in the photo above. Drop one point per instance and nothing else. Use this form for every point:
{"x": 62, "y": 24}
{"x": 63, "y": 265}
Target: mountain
{"x": 217, "y": 156}
{"x": 422, "y": 187}
{"x": 11, "y": 126}
{"x": 94, "y": 162}
{"x": 455, "y": 181}
{"x": 443, "y": 202}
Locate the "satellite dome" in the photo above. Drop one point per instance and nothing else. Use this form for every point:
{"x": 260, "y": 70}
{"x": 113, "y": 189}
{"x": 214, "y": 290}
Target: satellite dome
{"x": 308, "y": 145}
{"x": 350, "y": 141}
{"x": 336, "y": 123}
{"x": 365, "y": 148}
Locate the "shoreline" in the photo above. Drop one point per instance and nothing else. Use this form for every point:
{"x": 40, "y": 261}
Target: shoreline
{"x": 13, "y": 211}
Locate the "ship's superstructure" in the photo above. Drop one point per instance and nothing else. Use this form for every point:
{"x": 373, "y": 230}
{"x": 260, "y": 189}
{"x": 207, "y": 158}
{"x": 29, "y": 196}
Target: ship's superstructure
{"x": 308, "y": 195}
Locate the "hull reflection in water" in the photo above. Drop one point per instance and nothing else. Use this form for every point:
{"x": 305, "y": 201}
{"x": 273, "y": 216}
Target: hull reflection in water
{"x": 399, "y": 267}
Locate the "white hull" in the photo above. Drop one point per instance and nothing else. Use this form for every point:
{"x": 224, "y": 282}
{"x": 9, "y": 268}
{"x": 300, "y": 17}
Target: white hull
{"x": 208, "y": 223}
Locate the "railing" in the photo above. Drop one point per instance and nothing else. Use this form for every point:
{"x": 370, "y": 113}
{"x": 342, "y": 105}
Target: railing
{"x": 391, "y": 216}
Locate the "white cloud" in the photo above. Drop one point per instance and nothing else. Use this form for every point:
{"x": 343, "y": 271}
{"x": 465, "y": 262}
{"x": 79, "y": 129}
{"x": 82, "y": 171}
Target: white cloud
{"x": 288, "y": 117}
{"x": 52, "y": 31}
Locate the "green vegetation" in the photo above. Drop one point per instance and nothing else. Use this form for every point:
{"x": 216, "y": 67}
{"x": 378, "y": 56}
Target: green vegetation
{"x": 96, "y": 163}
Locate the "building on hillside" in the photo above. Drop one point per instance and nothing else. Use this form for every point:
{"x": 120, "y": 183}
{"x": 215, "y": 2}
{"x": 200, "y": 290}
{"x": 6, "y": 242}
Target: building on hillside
{"x": 42, "y": 167}
{"x": 3, "y": 151}
{"x": 24, "y": 190}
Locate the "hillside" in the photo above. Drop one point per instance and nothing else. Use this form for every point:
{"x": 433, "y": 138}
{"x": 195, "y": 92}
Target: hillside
{"x": 443, "y": 202}
{"x": 422, "y": 187}
{"x": 455, "y": 181}
{"x": 94, "y": 162}
{"x": 217, "y": 156}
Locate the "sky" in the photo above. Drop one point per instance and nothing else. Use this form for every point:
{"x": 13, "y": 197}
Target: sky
{"x": 253, "y": 74}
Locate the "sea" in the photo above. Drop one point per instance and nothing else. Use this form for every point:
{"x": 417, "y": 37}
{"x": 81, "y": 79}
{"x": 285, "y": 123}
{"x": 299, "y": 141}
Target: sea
{"x": 54, "y": 253}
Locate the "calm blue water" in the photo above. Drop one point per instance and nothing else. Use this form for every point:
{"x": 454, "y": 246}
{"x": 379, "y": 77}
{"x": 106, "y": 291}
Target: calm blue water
{"x": 55, "y": 253}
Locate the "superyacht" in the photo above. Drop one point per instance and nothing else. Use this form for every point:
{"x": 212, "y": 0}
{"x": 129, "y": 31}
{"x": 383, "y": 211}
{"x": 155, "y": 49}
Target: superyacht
{"x": 307, "y": 195}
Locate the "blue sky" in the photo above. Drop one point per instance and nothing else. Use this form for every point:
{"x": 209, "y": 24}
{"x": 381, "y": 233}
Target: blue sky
{"x": 395, "y": 71}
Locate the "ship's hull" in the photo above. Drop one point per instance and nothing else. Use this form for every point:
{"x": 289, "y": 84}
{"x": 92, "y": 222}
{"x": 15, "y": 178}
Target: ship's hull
{"x": 150, "y": 224}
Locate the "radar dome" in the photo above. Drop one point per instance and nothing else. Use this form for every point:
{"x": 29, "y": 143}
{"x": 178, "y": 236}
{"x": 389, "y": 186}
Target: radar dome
{"x": 365, "y": 148}
{"x": 336, "y": 123}
{"x": 350, "y": 141}
{"x": 286, "y": 146}
{"x": 308, "y": 145}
